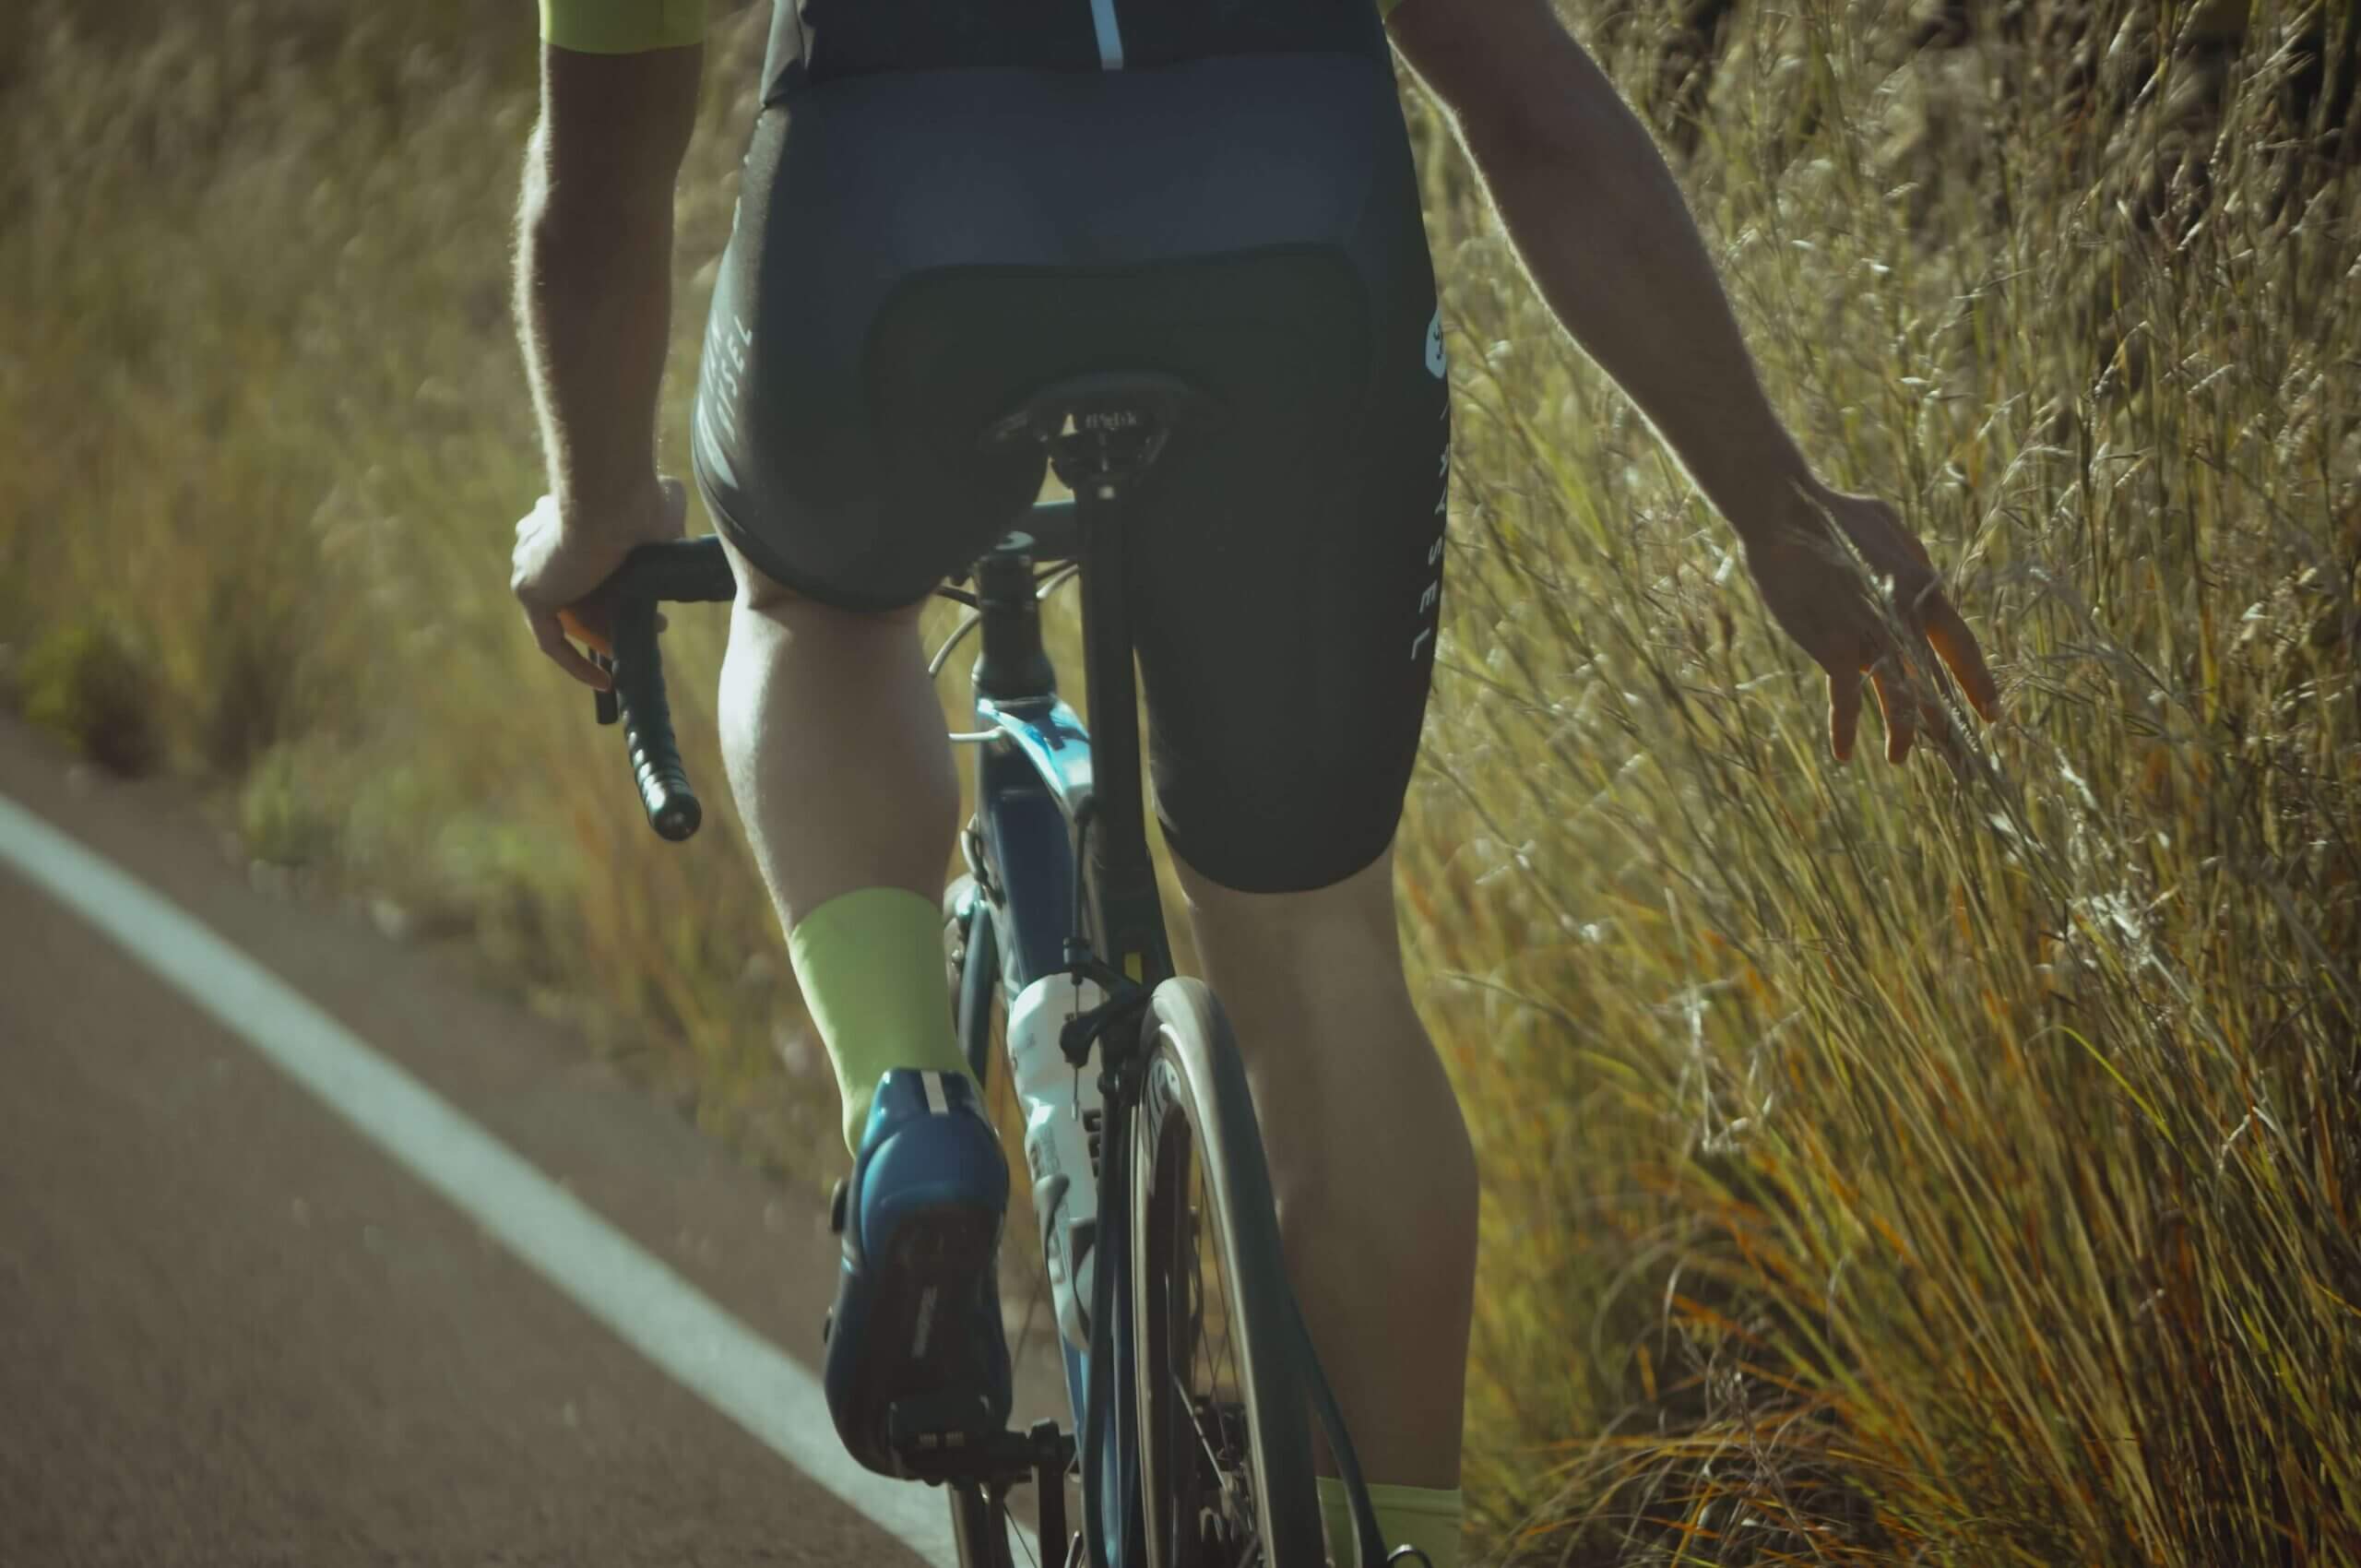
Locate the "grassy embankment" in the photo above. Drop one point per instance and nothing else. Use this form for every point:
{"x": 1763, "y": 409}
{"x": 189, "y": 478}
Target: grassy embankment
{"x": 1881, "y": 1166}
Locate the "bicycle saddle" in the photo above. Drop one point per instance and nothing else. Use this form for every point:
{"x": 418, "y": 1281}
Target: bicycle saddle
{"x": 1104, "y": 429}
{"x": 1111, "y": 403}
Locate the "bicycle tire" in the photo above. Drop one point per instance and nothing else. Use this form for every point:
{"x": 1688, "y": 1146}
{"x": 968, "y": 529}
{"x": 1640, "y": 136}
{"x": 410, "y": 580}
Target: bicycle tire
{"x": 1197, "y": 1147}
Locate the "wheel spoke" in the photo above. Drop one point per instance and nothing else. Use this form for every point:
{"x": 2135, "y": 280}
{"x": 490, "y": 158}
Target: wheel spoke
{"x": 1199, "y": 1255}
{"x": 1188, "y": 1403}
{"x": 1233, "y": 1499}
{"x": 1033, "y": 1561}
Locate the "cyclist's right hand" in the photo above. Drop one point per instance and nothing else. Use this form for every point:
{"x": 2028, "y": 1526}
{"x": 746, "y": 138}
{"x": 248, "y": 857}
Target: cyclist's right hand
{"x": 1816, "y": 595}
{"x": 563, "y": 554}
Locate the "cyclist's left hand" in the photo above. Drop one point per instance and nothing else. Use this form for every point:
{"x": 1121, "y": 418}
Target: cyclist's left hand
{"x": 561, "y": 557}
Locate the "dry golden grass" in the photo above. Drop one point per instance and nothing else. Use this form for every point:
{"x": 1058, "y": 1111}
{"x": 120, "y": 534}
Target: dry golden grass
{"x": 1881, "y": 1165}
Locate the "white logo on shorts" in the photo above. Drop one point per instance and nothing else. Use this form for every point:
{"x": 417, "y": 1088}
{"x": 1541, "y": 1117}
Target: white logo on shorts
{"x": 1434, "y": 345}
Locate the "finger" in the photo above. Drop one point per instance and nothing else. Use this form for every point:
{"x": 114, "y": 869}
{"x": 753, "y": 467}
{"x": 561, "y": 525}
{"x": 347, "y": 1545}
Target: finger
{"x": 1844, "y": 711}
{"x": 550, "y": 634}
{"x": 1957, "y": 646}
{"x": 1897, "y": 705}
{"x": 586, "y": 625}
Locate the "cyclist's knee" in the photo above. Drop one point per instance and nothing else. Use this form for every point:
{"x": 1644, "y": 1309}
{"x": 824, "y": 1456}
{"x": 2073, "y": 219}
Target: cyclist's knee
{"x": 765, "y": 597}
{"x": 1350, "y": 923}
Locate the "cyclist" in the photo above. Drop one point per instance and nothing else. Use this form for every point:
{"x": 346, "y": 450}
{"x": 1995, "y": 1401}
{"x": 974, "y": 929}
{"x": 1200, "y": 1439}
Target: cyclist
{"x": 947, "y": 203}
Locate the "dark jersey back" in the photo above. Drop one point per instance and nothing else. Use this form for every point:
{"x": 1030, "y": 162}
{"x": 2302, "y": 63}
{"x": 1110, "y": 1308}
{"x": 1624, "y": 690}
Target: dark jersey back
{"x": 814, "y": 41}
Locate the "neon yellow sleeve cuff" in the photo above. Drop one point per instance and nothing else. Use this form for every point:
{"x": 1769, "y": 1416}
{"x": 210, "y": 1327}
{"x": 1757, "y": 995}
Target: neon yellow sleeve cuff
{"x": 622, "y": 27}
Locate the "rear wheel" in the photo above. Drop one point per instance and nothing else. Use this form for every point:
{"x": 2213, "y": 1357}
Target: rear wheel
{"x": 1224, "y": 1448}
{"x": 980, "y": 1526}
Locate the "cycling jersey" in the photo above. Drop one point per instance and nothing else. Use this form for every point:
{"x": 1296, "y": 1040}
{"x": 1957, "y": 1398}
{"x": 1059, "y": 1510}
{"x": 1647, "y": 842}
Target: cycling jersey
{"x": 632, "y": 26}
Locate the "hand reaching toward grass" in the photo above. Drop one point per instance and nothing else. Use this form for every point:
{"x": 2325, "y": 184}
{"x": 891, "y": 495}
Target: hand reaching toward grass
{"x": 563, "y": 554}
{"x": 1816, "y": 593}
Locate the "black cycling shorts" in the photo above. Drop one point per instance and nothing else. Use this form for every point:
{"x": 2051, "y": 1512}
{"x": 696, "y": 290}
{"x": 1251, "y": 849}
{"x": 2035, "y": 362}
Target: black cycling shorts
{"x": 916, "y": 250}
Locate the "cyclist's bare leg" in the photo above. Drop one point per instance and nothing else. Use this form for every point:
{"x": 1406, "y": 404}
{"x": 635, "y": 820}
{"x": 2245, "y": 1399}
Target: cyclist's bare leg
{"x": 1374, "y": 1173}
{"x": 837, "y": 756}
{"x": 835, "y": 742}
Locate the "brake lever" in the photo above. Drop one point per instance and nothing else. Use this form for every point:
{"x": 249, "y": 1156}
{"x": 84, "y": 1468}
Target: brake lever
{"x": 610, "y": 711}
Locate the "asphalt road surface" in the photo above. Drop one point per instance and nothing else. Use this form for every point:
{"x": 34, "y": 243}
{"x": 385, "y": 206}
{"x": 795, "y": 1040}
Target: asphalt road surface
{"x": 232, "y": 1330}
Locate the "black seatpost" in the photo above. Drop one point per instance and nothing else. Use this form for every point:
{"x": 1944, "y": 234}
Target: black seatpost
{"x": 1103, "y": 432}
{"x": 1119, "y": 856}
{"x": 1098, "y": 454}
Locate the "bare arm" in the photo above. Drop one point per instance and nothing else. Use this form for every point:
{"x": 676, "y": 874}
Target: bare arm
{"x": 1603, "y": 228}
{"x": 594, "y": 303}
{"x": 594, "y": 264}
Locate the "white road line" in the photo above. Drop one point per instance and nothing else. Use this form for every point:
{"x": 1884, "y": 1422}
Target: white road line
{"x": 610, "y": 1275}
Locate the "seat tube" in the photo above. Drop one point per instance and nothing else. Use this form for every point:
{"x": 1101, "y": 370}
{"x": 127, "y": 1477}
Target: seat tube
{"x": 1013, "y": 666}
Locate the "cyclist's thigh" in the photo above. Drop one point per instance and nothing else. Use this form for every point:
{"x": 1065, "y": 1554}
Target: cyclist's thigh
{"x": 915, "y": 253}
{"x": 803, "y": 474}
{"x": 1292, "y": 580}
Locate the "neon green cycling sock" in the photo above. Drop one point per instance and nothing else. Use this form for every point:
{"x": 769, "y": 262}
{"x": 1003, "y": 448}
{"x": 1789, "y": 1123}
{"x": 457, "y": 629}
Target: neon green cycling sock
{"x": 1407, "y": 1515}
{"x": 871, "y": 964}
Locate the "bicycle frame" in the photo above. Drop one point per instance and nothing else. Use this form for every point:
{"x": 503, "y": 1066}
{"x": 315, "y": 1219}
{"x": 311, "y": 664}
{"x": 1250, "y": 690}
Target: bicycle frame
{"x": 1043, "y": 755}
{"x": 1049, "y": 806}
{"x": 1063, "y": 885}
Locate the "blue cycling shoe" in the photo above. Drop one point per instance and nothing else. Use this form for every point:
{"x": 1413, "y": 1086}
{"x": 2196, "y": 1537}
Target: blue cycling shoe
{"x": 916, "y": 1366}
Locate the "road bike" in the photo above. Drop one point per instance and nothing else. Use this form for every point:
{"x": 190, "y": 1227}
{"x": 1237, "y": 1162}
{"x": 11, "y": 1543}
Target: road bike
{"x": 1192, "y": 1403}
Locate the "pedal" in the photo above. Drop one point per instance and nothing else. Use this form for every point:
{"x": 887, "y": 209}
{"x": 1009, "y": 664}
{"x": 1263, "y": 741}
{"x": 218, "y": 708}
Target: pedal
{"x": 836, "y": 1227}
{"x": 941, "y": 1436}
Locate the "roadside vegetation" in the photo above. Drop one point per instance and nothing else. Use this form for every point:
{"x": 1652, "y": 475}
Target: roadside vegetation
{"x": 1921, "y": 1165}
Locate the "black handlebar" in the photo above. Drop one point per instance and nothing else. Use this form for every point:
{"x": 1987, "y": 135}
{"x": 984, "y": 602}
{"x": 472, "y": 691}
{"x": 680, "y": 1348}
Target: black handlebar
{"x": 691, "y": 572}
